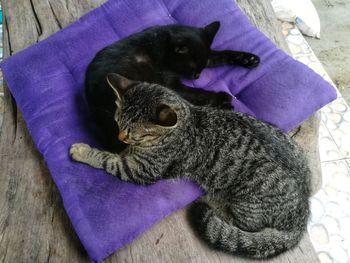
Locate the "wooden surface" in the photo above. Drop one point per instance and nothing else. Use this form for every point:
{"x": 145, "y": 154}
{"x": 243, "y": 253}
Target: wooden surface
{"x": 33, "y": 224}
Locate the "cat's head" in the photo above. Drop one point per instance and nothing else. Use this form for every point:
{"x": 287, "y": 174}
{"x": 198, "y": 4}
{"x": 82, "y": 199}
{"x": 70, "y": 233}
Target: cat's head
{"x": 189, "y": 48}
{"x": 146, "y": 113}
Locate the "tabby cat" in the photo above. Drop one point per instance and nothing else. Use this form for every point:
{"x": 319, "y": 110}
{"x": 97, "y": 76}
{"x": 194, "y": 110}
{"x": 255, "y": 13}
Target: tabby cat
{"x": 255, "y": 178}
{"x": 160, "y": 54}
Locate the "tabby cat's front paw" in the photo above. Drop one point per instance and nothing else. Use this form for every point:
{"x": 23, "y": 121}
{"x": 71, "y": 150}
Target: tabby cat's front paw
{"x": 79, "y": 151}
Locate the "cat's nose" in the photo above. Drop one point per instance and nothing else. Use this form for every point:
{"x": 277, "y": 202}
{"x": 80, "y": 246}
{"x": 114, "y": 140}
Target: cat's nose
{"x": 122, "y": 136}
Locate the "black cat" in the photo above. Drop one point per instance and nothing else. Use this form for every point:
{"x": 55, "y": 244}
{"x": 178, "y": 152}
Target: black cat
{"x": 160, "y": 54}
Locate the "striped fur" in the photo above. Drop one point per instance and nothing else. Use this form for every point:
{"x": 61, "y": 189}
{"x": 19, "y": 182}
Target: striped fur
{"x": 255, "y": 177}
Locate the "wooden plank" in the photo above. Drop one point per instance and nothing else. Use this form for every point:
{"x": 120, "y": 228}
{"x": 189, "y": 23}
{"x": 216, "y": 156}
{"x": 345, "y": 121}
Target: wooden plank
{"x": 263, "y": 17}
{"x": 33, "y": 224}
{"x": 172, "y": 240}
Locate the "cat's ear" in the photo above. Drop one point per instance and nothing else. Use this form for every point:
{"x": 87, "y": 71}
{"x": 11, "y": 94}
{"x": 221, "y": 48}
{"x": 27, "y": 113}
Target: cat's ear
{"x": 166, "y": 116}
{"x": 118, "y": 83}
{"x": 211, "y": 30}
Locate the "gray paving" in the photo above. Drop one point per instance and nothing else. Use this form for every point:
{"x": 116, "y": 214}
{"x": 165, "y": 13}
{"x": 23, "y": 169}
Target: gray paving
{"x": 333, "y": 49}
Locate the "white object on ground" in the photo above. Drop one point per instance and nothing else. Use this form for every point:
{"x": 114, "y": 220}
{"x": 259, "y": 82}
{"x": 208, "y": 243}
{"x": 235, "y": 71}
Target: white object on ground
{"x": 302, "y": 12}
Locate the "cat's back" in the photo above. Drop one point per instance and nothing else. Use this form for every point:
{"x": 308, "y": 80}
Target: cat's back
{"x": 235, "y": 151}
{"x": 139, "y": 56}
{"x": 241, "y": 136}
{"x": 130, "y": 57}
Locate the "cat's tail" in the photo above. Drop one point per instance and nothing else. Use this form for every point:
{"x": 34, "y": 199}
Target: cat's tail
{"x": 221, "y": 235}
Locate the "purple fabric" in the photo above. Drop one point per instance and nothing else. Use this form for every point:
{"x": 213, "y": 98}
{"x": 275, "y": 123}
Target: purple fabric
{"x": 46, "y": 80}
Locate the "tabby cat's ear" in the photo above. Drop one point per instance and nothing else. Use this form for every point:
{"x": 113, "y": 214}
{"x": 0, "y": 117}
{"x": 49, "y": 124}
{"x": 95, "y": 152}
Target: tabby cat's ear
{"x": 166, "y": 116}
{"x": 118, "y": 83}
{"x": 212, "y": 29}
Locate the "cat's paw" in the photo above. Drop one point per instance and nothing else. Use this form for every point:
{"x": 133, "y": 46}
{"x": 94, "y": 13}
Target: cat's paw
{"x": 247, "y": 60}
{"x": 79, "y": 151}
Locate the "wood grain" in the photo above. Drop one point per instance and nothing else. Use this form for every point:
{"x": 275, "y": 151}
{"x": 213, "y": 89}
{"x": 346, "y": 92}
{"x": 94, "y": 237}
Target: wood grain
{"x": 33, "y": 224}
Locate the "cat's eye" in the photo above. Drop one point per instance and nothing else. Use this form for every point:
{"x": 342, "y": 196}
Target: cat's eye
{"x": 182, "y": 50}
{"x": 166, "y": 116}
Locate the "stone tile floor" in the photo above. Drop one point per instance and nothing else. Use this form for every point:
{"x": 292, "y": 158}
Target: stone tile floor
{"x": 329, "y": 225}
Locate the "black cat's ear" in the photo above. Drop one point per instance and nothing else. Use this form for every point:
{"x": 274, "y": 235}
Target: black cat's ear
{"x": 212, "y": 29}
{"x": 166, "y": 116}
{"x": 118, "y": 83}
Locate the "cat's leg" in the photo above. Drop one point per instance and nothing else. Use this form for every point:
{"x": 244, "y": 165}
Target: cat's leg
{"x": 196, "y": 96}
{"x": 201, "y": 97}
{"x": 231, "y": 57}
{"x": 229, "y": 237}
{"x": 83, "y": 153}
{"x": 123, "y": 166}
{"x": 208, "y": 222}
{"x": 248, "y": 217}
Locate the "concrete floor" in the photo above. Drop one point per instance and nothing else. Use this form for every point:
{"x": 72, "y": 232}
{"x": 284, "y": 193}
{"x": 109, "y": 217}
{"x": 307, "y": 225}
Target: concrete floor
{"x": 333, "y": 49}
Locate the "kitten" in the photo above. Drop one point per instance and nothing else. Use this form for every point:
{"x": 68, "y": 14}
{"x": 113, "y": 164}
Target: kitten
{"x": 255, "y": 178}
{"x": 160, "y": 54}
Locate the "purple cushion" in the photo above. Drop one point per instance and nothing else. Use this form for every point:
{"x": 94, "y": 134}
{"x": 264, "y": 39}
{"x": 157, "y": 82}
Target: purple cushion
{"x": 46, "y": 80}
